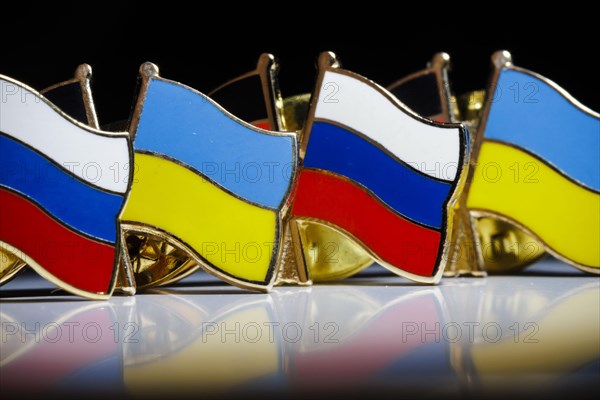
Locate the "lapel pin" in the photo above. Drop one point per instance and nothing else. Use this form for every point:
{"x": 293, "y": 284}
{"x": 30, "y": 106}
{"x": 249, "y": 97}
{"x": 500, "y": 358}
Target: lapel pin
{"x": 377, "y": 173}
{"x": 60, "y": 198}
{"x": 207, "y": 183}
{"x": 327, "y": 253}
{"x": 535, "y": 167}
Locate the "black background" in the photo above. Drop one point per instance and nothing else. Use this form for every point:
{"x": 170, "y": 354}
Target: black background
{"x": 204, "y": 47}
{"x": 41, "y": 44}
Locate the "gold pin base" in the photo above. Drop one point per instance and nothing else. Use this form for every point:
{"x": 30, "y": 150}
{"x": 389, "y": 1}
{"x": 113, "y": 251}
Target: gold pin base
{"x": 504, "y": 247}
{"x": 288, "y": 273}
{"x": 485, "y": 244}
{"x": 10, "y": 265}
{"x": 151, "y": 260}
{"x": 328, "y": 254}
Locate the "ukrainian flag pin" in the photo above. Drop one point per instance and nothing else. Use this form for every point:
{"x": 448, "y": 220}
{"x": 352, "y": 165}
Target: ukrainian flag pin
{"x": 206, "y": 184}
{"x": 535, "y": 168}
{"x": 253, "y": 97}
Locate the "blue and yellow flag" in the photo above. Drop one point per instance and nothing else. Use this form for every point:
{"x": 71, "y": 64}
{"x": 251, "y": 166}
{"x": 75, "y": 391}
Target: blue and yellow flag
{"x": 213, "y": 183}
{"x": 539, "y": 166}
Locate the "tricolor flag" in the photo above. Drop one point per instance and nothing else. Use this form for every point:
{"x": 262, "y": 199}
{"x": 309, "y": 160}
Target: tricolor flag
{"x": 426, "y": 92}
{"x": 379, "y": 173}
{"x": 538, "y": 164}
{"x": 208, "y": 182}
{"x": 253, "y": 97}
{"x": 61, "y": 190}
{"x": 73, "y": 97}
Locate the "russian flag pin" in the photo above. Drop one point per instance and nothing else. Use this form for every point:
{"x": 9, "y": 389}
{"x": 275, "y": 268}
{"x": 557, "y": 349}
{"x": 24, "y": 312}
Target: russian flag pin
{"x": 377, "y": 173}
{"x": 59, "y": 196}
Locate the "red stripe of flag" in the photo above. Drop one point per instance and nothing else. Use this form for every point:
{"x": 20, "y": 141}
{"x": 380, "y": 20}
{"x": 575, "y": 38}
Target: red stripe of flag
{"x": 373, "y": 347}
{"x": 262, "y": 124}
{"x": 404, "y": 244}
{"x": 79, "y": 261}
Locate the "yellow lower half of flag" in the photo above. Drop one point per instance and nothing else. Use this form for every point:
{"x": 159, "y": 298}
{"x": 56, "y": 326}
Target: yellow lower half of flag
{"x": 232, "y": 235}
{"x": 531, "y": 356}
{"x": 225, "y": 353}
{"x": 522, "y": 188}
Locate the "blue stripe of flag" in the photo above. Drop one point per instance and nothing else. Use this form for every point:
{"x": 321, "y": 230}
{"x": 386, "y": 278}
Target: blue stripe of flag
{"x": 410, "y": 193}
{"x": 82, "y": 207}
{"x": 182, "y": 124}
{"x": 529, "y": 113}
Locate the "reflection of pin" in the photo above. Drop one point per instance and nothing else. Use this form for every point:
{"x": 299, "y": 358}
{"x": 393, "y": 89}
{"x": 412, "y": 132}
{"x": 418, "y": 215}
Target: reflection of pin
{"x": 541, "y": 341}
{"x": 65, "y": 345}
{"x": 64, "y": 228}
{"x": 536, "y": 167}
{"x": 529, "y": 331}
{"x": 158, "y": 326}
{"x": 213, "y": 345}
{"x": 365, "y": 334}
{"x": 188, "y": 192}
{"x": 378, "y": 173}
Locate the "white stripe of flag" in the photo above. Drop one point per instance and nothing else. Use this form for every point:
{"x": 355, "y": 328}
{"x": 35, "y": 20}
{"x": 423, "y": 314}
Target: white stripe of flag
{"x": 99, "y": 160}
{"x": 433, "y": 150}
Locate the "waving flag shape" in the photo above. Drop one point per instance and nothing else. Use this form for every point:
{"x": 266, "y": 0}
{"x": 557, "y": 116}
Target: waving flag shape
{"x": 539, "y": 167}
{"x": 379, "y": 173}
{"x": 210, "y": 181}
{"x": 60, "y": 192}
